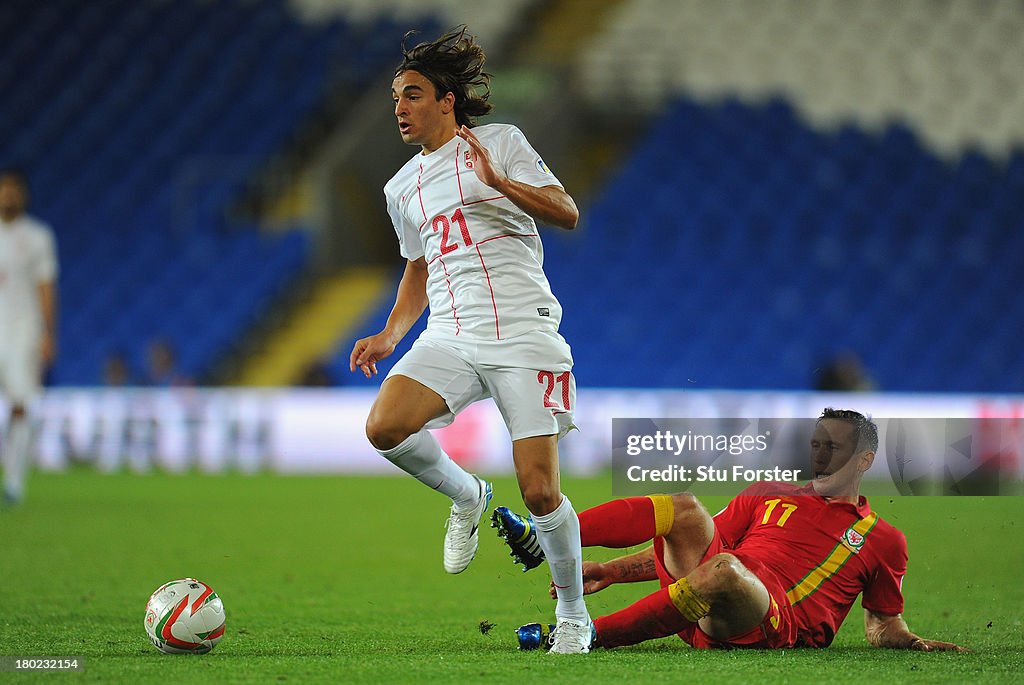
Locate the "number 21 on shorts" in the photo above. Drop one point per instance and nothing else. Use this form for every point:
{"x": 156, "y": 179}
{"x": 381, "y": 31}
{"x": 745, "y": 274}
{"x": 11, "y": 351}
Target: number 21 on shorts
{"x": 550, "y": 380}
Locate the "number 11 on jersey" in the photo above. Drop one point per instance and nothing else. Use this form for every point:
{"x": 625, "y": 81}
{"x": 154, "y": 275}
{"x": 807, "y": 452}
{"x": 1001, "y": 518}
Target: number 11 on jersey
{"x": 769, "y": 507}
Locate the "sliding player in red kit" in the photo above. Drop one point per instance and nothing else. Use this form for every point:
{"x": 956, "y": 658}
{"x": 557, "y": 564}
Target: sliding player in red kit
{"x": 780, "y": 566}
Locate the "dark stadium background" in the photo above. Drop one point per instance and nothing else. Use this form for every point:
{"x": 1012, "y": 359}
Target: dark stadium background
{"x": 765, "y": 190}
{"x": 775, "y": 198}
{"x": 785, "y": 205}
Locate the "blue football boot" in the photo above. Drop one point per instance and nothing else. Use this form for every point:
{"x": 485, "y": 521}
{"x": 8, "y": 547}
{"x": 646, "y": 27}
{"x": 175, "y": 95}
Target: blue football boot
{"x": 520, "y": 536}
{"x": 534, "y": 635}
{"x": 567, "y": 638}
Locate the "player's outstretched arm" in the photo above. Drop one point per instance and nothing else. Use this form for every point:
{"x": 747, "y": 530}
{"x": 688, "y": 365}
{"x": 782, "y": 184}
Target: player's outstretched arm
{"x": 893, "y": 632}
{"x": 628, "y": 569}
{"x": 549, "y": 204}
{"x": 409, "y": 305}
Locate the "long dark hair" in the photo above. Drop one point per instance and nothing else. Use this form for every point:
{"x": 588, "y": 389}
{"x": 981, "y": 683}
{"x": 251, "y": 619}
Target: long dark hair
{"x": 454, "y": 63}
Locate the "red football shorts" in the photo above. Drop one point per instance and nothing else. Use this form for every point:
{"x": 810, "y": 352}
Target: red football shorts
{"x": 777, "y": 630}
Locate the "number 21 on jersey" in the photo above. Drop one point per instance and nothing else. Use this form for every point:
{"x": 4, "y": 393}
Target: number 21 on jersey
{"x": 443, "y": 224}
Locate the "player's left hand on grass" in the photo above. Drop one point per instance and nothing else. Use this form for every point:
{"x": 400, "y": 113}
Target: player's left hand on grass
{"x": 480, "y": 158}
{"x": 923, "y": 645}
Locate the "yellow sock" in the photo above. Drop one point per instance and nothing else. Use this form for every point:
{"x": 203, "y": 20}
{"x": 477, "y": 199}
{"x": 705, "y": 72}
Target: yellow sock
{"x": 691, "y": 605}
{"x": 664, "y": 514}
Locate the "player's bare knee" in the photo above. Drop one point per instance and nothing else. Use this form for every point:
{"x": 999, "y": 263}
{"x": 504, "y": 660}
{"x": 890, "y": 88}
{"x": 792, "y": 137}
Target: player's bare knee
{"x": 18, "y": 411}
{"x": 718, "y": 577}
{"x": 687, "y": 513}
{"x": 385, "y": 434}
{"x": 729, "y": 570}
{"x": 541, "y": 498}
{"x": 686, "y": 507}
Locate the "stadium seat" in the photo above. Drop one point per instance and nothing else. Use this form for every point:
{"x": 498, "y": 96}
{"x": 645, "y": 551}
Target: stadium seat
{"x": 763, "y": 247}
{"x": 139, "y": 125}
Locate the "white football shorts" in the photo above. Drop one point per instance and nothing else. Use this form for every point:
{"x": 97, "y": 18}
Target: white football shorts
{"x": 528, "y": 376}
{"x": 20, "y": 372}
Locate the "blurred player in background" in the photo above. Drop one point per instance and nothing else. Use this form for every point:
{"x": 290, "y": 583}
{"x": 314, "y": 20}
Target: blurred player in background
{"x": 779, "y": 567}
{"x": 464, "y": 209}
{"x": 162, "y": 366}
{"x": 28, "y": 321}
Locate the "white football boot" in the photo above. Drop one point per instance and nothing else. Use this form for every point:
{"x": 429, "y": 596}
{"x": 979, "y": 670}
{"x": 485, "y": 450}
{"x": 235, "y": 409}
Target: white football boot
{"x": 570, "y": 637}
{"x": 461, "y": 540}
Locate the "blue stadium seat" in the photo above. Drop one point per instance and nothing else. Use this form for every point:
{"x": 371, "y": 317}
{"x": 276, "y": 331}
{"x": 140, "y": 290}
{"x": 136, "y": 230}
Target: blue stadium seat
{"x": 139, "y": 127}
{"x": 762, "y": 247}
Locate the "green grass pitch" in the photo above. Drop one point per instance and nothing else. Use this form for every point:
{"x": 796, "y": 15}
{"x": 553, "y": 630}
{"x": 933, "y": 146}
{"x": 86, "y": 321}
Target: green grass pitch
{"x": 340, "y": 580}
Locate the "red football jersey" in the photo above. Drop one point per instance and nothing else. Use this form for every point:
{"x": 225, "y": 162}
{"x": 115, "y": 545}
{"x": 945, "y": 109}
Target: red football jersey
{"x": 824, "y": 553}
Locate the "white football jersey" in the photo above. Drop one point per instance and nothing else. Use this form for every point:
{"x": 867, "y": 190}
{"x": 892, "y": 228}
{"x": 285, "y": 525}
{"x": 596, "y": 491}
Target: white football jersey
{"x": 484, "y": 256}
{"x": 27, "y": 258}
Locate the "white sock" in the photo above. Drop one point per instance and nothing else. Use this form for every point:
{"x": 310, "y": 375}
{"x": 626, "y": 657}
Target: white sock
{"x": 559, "y": 536}
{"x": 421, "y": 456}
{"x": 15, "y": 456}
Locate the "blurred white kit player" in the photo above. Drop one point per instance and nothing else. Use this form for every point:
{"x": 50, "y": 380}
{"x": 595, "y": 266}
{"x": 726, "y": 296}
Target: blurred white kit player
{"x": 464, "y": 209}
{"x": 28, "y": 270}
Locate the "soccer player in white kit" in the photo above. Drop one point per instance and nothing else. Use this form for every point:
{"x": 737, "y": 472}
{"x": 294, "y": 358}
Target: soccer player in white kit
{"x": 28, "y": 269}
{"x": 464, "y": 211}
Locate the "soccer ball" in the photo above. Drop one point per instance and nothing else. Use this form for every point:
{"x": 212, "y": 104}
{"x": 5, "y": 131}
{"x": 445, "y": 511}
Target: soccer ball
{"x": 184, "y": 616}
